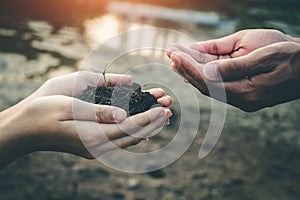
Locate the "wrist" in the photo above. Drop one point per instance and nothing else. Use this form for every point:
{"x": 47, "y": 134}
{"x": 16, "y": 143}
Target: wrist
{"x": 295, "y": 63}
{"x": 293, "y": 39}
{"x": 14, "y": 143}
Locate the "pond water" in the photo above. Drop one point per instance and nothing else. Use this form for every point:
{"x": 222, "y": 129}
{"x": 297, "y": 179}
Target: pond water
{"x": 43, "y": 46}
{"x": 35, "y": 50}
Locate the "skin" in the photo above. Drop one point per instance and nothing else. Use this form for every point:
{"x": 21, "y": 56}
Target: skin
{"x": 52, "y": 120}
{"x": 257, "y": 68}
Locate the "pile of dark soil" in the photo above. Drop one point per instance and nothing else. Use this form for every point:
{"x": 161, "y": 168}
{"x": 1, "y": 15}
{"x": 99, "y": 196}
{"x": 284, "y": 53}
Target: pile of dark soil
{"x": 131, "y": 98}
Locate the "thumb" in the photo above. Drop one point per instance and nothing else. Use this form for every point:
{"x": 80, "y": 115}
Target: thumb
{"x": 230, "y": 69}
{"x": 85, "y": 111}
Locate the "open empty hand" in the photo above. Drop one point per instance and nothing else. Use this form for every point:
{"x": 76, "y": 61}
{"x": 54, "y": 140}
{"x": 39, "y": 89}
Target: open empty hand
{"x": 257, "y": 68}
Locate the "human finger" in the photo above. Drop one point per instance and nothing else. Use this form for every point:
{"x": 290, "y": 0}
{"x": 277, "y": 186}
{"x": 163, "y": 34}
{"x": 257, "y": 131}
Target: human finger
{"x": 199, "y": 56}
{"x": 114, "y": 79}
{"x": 256, "y": 62}
{"x": 156, "y": 92}
{"x": 190, "y": 69}
{"x": 136, "y": 122}
{"x": 165, "y": 101}
{"x": 133, "y": 139}
{"x": 127, "y": 127}
{"x": 94, "y": 135}
{"x": 219, "y": 46}
{"x": 74, "y": 83}
{"x": 97, "y": 79}
{"x": 68, "y": 108}
{"x": 171, "y": 50}
{"x": 159, "y": 93}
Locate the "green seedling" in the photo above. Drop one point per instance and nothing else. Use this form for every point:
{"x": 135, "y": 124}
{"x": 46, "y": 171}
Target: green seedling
{"x": 103, "y": 73}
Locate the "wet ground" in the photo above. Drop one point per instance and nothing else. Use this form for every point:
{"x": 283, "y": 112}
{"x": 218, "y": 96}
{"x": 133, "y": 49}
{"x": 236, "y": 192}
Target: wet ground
{"x": 257, "y": 156}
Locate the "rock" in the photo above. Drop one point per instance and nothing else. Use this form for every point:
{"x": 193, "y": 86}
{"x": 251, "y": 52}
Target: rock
{"x": 133, "y": 183}
{"x": 102, "y": 172}
{"x": 200, "y": 175}
{"x": 7, "y": 32}
{"x": 2, "y": 64}
{"x": 118, "y": 196}
{"x": 157, "y": 174}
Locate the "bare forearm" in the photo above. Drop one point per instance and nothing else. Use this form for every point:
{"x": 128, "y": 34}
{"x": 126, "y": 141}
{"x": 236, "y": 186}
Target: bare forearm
{"x": 295, "y": 63}
{"x": 293, "y": 39}
{"x": 8, "y": 144}
{"x": 14, "y": 142}
{"x": 9, "y": 112}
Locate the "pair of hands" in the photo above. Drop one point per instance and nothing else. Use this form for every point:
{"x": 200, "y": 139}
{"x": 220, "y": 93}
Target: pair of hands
{"x": 256, "y": 68}
{"x": 52, "y": 120}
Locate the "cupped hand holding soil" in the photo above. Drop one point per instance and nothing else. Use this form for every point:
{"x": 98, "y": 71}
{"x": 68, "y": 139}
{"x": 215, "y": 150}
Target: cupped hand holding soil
{"x": 51, "y": 119}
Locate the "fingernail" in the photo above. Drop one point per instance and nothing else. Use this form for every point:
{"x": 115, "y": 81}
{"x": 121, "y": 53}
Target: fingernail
{"x": 119, "y": 115}
{"x": 163, "y": 113}
{"x": 210, "y": 71}
{"x": 173, "y": 67}
{"x": 168, "y": 113}
{"x": 175, "y": 58}
{"x": 167, "y": 123}
{"x": 172, "y": 64}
